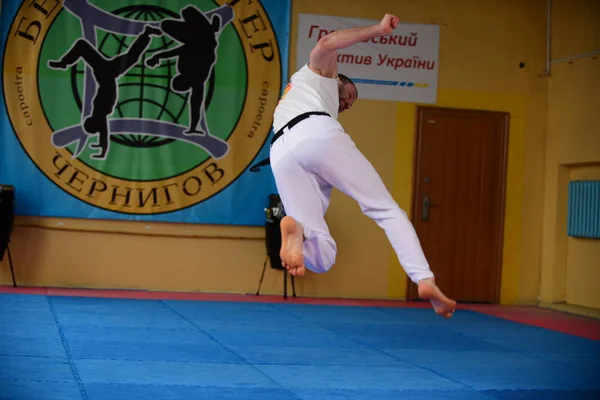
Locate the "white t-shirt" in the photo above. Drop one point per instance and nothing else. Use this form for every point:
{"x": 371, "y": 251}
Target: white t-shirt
{"x": 307, "y": 91}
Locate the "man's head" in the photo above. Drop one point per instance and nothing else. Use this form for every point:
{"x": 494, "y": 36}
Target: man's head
{"x": 348, "y": 92}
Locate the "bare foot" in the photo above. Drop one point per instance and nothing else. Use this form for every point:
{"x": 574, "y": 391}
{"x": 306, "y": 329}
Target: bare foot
{"x": 442, "y": 305}
{"x": 291, "y": 254}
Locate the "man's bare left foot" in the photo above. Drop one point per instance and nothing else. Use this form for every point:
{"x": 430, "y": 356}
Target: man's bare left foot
{"x": 100, "y": 155}
{"x": 292, "y": 239}
{"x": 442, "y": 305}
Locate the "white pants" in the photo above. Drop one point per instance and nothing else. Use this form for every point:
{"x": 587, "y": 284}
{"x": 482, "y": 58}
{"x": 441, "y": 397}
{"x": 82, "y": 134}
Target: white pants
{"x": 317, "y": 155}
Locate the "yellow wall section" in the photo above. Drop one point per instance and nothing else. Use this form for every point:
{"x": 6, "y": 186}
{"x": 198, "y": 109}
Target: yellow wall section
{"x": 481, "y": 46}
{"x": 570, "y": 266}
{"x": 583, "y": 257}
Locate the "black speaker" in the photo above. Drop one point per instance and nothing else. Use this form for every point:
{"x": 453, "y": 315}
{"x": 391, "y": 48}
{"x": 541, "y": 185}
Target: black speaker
{"x": 275, "y": 213}
{"x": 7, "y": 216}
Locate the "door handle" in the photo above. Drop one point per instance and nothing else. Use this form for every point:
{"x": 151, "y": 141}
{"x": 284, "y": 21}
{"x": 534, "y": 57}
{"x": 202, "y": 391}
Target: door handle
{"x": 425, "y": 209}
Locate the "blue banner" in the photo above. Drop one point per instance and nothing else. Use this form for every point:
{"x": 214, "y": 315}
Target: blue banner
{"x": 141, "y": 110}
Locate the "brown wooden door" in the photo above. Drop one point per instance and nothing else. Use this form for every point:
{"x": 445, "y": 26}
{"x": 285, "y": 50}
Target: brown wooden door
{"x": 458, "y": 204}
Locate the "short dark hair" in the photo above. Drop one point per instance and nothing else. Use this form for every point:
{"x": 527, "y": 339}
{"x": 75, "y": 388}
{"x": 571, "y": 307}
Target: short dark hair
{"x": 345, "y": 79}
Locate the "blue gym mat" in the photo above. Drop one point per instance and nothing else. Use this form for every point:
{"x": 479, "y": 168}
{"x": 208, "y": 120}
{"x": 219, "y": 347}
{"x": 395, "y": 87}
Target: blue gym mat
{"x": 54, "y": 347}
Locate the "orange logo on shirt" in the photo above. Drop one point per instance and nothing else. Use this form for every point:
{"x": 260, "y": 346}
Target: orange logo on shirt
{"x": 287, "y": 89}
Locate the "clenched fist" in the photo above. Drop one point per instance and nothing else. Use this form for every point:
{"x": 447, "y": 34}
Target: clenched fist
{"x": 388, "y": 24}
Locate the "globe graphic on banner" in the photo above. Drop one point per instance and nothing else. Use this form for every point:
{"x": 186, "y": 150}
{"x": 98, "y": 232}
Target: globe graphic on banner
{"x": 167, "y": 105}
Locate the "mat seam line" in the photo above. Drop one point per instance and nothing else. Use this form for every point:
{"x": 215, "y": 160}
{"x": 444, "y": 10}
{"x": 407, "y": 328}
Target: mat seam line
{"x": 63, "y": 339}
{"x": 233, "y": 352}
{"x": 32, "y": 356}
{"x": 383, "y": 352}
{"x": 470, "y": 307}
{"x": 504, "y": 348}
{"x": 527, "y": 354}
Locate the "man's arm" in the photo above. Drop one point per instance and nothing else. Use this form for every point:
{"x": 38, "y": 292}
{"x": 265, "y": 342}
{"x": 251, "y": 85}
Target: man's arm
{"x": 158, "y": 56}
{"x": 323, "y": 58}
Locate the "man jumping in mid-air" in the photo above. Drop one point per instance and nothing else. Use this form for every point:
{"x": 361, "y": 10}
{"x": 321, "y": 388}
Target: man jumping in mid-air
{"x": 312, "y": 154}
{"x": 106, "y": 72}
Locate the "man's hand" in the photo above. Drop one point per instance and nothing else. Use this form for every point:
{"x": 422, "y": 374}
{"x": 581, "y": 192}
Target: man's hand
{"x": 388, "y": 24}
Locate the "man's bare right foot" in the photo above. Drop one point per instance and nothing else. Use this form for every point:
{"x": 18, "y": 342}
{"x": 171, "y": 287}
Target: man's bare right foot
{"x": 58, "y": 64}
{"x": 442, "y": 305}
{"x": 292, "y": 239}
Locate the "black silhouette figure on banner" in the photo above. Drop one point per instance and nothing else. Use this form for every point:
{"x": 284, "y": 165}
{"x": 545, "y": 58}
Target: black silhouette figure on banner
{"x": 196, "y": 57}
{"x": 106, "y": 72}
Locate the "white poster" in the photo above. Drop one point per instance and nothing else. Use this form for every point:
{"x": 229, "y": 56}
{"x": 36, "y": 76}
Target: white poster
{"x": 402, "y": 66}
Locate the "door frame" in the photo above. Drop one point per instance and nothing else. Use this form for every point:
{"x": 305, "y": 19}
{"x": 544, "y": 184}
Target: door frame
{"x": 411, "y": 292}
